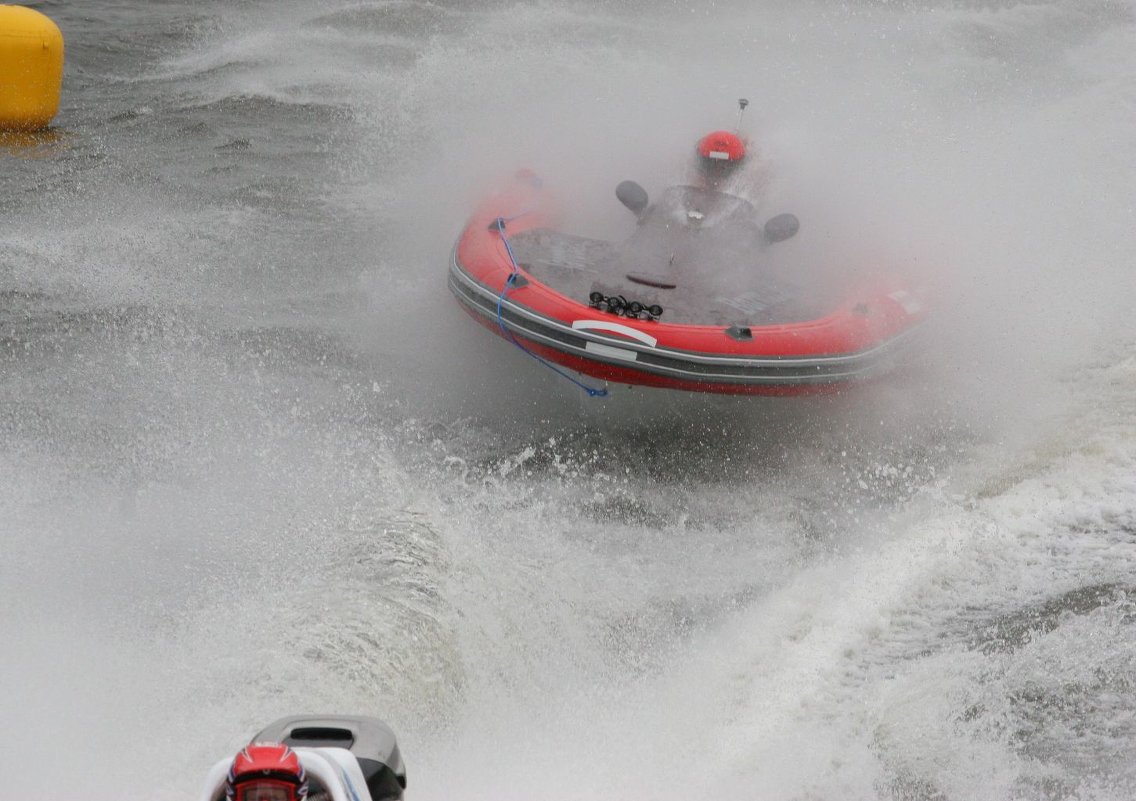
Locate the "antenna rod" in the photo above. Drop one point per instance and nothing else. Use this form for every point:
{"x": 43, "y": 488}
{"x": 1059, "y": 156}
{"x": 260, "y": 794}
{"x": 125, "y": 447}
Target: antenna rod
{"x": 742, "y": 103}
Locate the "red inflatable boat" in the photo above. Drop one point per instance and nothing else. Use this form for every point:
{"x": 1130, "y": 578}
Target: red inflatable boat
{"x": 701, "y": 297}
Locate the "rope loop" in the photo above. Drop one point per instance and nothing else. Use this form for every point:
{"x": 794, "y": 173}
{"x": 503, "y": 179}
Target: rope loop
{"x": 499, "y": 225}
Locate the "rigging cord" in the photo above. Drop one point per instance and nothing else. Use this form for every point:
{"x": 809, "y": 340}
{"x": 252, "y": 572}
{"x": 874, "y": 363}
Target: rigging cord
{"x": 498, "y": 225}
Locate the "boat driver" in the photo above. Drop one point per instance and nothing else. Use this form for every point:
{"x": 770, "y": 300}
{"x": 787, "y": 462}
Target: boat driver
{"x": 266, "y": 772}
{"x": 719, "y": 154}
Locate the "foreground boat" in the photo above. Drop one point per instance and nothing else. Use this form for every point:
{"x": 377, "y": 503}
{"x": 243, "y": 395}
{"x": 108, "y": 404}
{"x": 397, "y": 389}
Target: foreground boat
{"x": 341, "y": 758}
{"x": 697, "y": 298}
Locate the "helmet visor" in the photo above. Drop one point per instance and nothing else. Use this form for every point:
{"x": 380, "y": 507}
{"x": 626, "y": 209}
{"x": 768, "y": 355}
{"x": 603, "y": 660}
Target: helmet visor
{"x": 266, "y": 790}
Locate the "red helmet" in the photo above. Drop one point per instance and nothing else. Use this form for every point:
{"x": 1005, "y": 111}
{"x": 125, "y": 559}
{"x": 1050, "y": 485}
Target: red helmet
{"x": 266, "y": 772}
{"x": 719, "y": 153}
{"x": 721, "y": 146}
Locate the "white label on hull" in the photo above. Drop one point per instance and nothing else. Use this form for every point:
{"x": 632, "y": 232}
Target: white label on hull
{"x": 615, "y": 328}
{"x": 612, "y": 353}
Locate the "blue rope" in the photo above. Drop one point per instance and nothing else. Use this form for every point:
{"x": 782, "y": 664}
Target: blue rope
{"x": 509, "y": 284}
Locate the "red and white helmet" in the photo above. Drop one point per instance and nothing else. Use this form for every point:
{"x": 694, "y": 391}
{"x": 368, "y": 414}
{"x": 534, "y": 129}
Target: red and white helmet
{"x": 720, "y": 153}
{"x": 266, "y": 772}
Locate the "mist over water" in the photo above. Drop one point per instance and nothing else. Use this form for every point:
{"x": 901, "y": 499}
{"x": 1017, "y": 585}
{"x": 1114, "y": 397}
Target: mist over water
{"x": 254, "y": 460}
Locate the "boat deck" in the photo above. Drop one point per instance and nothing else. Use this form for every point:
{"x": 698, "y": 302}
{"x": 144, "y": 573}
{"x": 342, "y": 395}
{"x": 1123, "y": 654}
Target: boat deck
{"x": 716, "y": 289}
{"x": 700, "y": 255}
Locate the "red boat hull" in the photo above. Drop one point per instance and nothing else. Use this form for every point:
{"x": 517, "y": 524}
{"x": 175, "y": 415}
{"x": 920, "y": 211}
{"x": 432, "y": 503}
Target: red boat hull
{"x": 861, "y": 337}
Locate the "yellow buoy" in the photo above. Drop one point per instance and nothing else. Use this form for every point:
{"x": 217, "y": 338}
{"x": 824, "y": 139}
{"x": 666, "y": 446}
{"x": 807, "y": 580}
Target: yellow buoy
{"x": 31, "y": 69}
